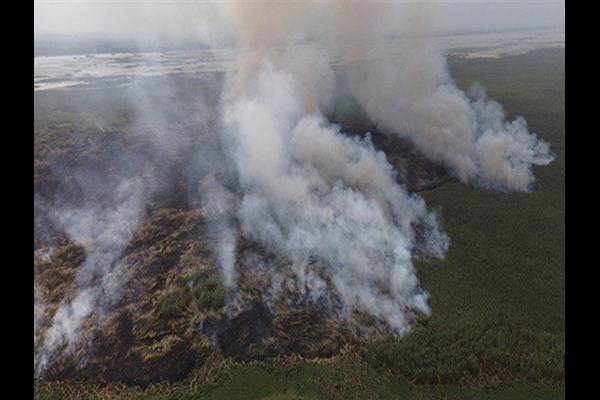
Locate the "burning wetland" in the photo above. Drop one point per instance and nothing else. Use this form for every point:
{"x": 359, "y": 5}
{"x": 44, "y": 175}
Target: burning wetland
{"x": 269, "y": 209}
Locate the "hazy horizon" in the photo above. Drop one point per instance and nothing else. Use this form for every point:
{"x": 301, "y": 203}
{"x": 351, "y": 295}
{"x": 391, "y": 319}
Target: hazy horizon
{"x": 203, "y": 21}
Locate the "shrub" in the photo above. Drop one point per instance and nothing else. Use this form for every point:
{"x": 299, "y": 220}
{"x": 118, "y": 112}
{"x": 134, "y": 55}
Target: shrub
{"x": 209, "y": 293}
{"x": 202, "y": 251}
{"x": 172, "y": 305}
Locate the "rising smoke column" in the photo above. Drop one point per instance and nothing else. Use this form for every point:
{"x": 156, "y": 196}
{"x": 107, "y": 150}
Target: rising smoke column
{"x": 407, "y": 90}
{"x": 218, "y": 203}
{"x": 310, "y": 191}
{"x": 104, "y": 229}
{"x": 100, "y": 206}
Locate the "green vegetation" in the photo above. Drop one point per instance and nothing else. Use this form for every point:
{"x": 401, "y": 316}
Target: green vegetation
{"x": 172, "y": 305}
{"x": 210, "y": 293}
{"x": 498, "y": 297}
{"x": 202, "y": 250}
{"x": 195, "y": 293}
{"x": 341, "y": 378}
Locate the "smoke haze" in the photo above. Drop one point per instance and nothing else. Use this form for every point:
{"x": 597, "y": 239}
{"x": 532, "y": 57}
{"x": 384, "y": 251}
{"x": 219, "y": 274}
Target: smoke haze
{"x": 326, "y": 201}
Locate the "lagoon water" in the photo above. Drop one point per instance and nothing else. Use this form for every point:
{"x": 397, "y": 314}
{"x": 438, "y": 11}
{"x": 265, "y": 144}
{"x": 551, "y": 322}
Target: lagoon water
{"x": 91, "y": 71}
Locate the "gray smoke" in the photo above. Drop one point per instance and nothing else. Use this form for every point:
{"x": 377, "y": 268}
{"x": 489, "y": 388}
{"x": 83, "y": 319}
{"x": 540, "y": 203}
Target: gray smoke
{"x": 416, "y": 98}
{"x": 313, "y": 193}
{"x": 407, "y": 90}
{"x": 218, "y": 203}
{"x": 104, "y": 229}
{"x": 100, "y": 207}
{"x": 387, "y": 60}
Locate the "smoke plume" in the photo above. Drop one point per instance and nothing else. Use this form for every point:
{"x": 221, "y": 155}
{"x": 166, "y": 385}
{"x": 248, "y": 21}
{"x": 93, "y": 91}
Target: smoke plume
{"x": 103, "y": 227}
{"x": 313, "y": 193}
{"x": 406, "y": 90}
{"x": 99, "y": 207}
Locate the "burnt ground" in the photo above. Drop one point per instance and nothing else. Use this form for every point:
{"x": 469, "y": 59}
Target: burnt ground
{"x": 173, "y": 313}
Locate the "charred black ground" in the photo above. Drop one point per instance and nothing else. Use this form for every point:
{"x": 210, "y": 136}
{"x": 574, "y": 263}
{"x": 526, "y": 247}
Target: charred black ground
{"x": 173, "y": 314}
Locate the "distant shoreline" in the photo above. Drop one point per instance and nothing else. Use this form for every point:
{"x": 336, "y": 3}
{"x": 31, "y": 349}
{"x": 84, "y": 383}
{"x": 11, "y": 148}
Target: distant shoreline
{"x": 119, "y": 68}
{"x": 53, "y": 45}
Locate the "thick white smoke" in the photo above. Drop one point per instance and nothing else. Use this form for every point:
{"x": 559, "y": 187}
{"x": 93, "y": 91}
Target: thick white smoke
{"x": 313, "y": 193}
{"x": 406, "y": 89}
{"x": 415, "y": 97}
{"x": 398, "y": 77}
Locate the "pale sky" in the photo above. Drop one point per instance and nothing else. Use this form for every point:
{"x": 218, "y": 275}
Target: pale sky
{"x": 200, "y": 19}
